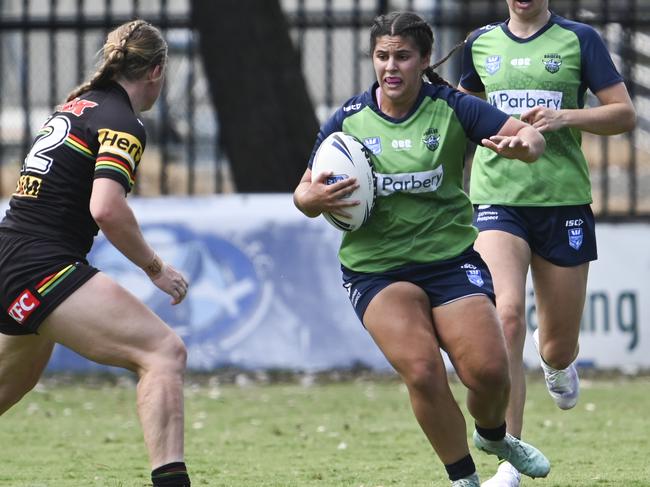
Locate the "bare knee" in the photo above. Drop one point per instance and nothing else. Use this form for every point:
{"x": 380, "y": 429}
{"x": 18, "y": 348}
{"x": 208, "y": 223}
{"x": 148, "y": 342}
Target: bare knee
{"x": 494, "y": 376}
{"x": 490, "y": 377}
{"x": 424, "y": 376}
{"x": 175, "y": 353}
{"x": 22, "y": 361}
{"x": 513, "y": 321}
{"x": 7, "y": 401}
{"x": 169, "y": 357}
{"x": 12, "y": 392}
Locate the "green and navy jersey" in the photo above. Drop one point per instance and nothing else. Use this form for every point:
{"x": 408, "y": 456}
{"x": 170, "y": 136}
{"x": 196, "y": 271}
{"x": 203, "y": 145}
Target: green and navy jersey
{"x": 97, "y": 135}
{"x": 421, "y": 214}
{"x": 553, "y": 69}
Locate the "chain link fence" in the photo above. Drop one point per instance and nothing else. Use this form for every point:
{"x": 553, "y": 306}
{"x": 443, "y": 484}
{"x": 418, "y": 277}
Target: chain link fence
{"x": 49, "y": 46}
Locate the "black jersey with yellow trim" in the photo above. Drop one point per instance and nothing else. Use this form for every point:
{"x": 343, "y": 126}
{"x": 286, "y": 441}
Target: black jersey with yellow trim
{"x": 97, "y": 135}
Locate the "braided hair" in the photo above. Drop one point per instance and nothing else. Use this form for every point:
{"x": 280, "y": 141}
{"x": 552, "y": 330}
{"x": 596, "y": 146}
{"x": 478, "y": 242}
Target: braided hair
{"x": 411, "y": 25}
{"x": 130, "y": 50}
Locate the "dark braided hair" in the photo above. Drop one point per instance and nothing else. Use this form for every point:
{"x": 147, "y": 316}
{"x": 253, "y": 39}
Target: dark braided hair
{"x": 130, "y": 50}
{"x": 411, "y": 25}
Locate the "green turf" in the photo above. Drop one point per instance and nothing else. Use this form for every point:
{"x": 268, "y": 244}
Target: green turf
{"x": 357, "y": 433}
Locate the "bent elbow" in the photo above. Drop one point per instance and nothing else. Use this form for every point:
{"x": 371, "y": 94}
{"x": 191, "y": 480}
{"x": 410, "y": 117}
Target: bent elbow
{"x": 103, "y": 214}
{"x": 627, "y": 122}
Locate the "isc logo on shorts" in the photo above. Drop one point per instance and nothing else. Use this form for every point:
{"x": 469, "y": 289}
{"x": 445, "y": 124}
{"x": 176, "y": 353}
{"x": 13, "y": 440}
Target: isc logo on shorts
{"x": 23, "y": 306}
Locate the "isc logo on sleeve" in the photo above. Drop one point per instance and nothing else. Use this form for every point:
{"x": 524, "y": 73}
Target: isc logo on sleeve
{"x": 23, "y": 306}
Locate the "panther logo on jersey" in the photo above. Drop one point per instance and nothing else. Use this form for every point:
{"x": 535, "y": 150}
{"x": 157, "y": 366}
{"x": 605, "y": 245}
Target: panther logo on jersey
{"x": 552, "y": 62}
{"x": 431, "y": 139}
{"x": 77, "y": 106}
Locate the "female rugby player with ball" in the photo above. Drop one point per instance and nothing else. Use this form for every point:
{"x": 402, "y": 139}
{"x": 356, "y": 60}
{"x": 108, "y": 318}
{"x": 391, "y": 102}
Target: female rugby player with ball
{"x": 411, "y": 273}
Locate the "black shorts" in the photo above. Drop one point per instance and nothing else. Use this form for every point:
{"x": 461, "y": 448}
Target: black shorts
{"x": 443, "y": 282}
{"x": 563, "y": 235}
{"x": 36, "y": 275}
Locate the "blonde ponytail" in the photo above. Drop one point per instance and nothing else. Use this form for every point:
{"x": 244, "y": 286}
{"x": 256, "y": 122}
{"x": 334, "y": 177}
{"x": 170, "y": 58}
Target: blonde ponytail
{"x": 129, "y": 51}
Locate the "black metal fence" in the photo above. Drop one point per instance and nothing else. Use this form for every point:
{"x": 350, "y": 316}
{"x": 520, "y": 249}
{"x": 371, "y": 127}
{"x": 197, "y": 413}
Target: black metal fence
{"x": 49, "y": 46}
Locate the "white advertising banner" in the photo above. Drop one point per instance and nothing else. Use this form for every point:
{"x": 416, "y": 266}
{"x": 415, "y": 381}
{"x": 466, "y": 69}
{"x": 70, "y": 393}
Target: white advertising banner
{"x": 266, "y": 290}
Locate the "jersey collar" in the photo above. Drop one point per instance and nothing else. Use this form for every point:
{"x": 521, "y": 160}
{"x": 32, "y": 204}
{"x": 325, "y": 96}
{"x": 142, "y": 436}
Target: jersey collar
{"x": 118, "y": 88}
{"x": 506, "y": 30}
{"x": 372, "y": 103}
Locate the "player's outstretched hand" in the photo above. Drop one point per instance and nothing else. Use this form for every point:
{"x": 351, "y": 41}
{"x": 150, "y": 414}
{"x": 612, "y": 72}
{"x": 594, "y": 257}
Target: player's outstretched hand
{"x": 511, "y": 147}
{"x": 172, "y": 282}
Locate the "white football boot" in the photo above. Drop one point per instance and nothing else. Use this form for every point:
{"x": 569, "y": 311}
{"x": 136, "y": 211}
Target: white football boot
{"x": 505, "y": 476}
{"x": 563, "y": 385}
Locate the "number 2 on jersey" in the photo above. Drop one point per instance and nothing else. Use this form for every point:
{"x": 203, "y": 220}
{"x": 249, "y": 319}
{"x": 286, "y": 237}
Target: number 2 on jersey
{"x": 51, "y": 136}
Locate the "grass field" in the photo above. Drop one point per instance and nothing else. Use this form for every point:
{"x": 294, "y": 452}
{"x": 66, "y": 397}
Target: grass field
{"x": 305, "y": 433}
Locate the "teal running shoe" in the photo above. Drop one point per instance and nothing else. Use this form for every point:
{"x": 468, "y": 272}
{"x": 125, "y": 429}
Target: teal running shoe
{"x": 471, "y": 481}
{"x": 524, "y": 457}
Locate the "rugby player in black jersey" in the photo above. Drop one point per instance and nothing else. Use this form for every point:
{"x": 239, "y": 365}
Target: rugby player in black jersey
{"x": 73, "y": 182}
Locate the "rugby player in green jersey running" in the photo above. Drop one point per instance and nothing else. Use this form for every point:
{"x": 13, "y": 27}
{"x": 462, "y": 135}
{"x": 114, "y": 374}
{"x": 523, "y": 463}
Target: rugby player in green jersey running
{"x": 411, "y": 273}
{"x": 538, "y": 66}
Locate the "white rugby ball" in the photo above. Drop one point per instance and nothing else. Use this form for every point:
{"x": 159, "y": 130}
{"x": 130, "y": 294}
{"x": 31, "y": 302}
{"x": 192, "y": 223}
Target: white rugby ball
{"x": 346, "y": 157}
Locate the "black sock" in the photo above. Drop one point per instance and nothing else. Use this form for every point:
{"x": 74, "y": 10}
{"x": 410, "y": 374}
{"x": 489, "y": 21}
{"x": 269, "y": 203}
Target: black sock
{"x": 171, "y": 475}
{"x": 492, "y": 434}
{"x": 461, "y": 469}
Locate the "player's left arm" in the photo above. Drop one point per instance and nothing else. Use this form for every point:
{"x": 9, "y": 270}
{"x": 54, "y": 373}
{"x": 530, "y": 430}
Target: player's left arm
{"x": 517, "y": 140}
{"x": 615, "y": 114}
{"x": 513, "y": 139}
{"x": 111, "y": 212}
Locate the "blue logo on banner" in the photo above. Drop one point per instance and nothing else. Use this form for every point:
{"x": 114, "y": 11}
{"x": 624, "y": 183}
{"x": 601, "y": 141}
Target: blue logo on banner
{"x": 492, "y": 64}
{"x": 227, "y": 289}
{"x": 241, "y": 310}
{"x": 474, "y": 276}
{"x": 575, "y": 237}
{"x": 373, "y": 144}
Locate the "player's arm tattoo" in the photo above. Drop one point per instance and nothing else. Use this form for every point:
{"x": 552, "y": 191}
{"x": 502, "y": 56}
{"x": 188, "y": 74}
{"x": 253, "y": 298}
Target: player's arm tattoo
{"x": 153, "y": 268}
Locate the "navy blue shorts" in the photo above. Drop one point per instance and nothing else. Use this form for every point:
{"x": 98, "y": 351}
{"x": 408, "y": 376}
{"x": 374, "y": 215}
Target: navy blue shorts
{"x": 444, "y": 282}
{"x": 36, "y": 277}
{"x": 563, "y": 235}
